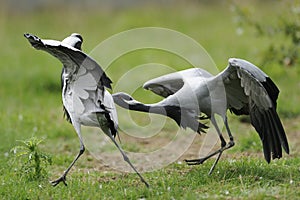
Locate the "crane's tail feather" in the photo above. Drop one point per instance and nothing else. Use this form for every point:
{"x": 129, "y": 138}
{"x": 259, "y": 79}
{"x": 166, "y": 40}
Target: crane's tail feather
{"x": 186, "y": 118}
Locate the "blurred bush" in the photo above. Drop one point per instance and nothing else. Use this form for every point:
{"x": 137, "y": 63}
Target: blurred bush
{"x": 284, "y": 33}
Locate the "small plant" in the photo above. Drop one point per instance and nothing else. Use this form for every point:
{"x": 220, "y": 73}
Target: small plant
{"x": 33, "y": 162}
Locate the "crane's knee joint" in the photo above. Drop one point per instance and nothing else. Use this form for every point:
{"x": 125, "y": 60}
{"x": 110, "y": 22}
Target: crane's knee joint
{"x": 231, "y": 142}
{"x": 223, "y": 143}
{"x": 126, "y": 158}
{"x": 82, "y": 149}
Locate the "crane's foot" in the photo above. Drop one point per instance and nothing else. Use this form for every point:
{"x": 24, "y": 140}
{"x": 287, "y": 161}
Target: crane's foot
{"x": 145, "y": 182}
{"x": 199, "y": 161}
{"x": 202, "y": 160}
{"x": 60, "y": 179}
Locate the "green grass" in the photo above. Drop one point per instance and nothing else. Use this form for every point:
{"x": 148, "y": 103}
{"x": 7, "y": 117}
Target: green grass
{"x": 31, "y": 105}
{"x": 235, "y": 178}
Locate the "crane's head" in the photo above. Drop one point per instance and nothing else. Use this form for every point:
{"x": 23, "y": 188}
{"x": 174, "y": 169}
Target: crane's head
{"x": 123, "y": 96}
{"x": 75, "y": 40}
{"x": 123, "y": 99}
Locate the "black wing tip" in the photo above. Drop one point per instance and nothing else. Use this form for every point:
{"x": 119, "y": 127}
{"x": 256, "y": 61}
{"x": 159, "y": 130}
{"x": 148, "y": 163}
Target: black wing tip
{"x": 30, "y": 36}
{"x": 286, "y": 149}
{"x": 268, "y": 159}
{"x": 27, "y": 35}
{"x": 107, "y": 83}
{"x": 285, "y": 146}
{"x": 35, "y": 41}
{"x": 272, "y": 134}
{"x": 67, "y": 115}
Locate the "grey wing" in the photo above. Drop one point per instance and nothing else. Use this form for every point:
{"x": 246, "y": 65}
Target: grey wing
{"x": 71, "y": 56}
{"x": 88, "y": 74}
{"x": 169, "y": 84}
{"x": 250, "y": 91}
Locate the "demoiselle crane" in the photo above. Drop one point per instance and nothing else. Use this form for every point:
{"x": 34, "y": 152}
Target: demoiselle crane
{"x": 242, "y": 88}
{"x": 85, "y": 99}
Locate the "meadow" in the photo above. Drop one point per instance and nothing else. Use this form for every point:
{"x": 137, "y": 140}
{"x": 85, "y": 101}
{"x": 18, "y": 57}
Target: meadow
{"x": 31, "y": 105}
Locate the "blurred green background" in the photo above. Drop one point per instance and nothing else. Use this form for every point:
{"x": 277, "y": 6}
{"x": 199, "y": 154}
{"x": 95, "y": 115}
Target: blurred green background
{"x": 30, "y": 80}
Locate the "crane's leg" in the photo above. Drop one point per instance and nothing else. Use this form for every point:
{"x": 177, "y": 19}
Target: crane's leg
{"x": 107, "y": 131}
{"x": 125, "y": 157}
{"x": 82, "y": 149}
{"x": 229, "y": 145}
{"x": 231, "y": 140}
{"x": 219, "y": 151}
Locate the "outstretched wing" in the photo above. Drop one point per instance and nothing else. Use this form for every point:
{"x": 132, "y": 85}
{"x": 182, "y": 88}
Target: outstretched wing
{"x": 86, "y": 74}
{"x": 72, "y": 58}
{"x": 169, "y": 84}
{"x": 250, "y": 91}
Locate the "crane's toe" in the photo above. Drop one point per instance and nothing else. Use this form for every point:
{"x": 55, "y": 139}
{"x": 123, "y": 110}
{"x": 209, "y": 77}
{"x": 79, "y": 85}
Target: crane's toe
{"x": 196, "y": 161}
{"x": 57, "y": 181}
